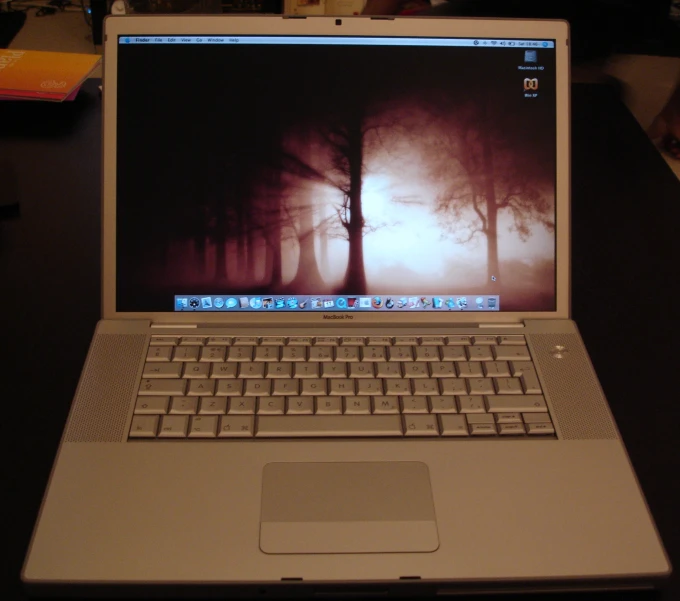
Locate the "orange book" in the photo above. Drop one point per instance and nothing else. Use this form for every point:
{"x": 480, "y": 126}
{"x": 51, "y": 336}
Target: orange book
{"x": 32, "y": 75}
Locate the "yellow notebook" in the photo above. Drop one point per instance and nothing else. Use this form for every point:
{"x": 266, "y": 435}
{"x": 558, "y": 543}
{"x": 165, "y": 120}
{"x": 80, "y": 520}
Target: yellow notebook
{"x": 32, "y": 75}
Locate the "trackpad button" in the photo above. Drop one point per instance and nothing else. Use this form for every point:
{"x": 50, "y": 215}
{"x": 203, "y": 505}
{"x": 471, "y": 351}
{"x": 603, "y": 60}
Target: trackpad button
{"x": 362, "y": 507}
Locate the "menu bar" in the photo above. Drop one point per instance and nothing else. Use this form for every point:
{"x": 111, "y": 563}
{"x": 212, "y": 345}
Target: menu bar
{"x": 467, "y": 302}
{"x": 336, "y": 41}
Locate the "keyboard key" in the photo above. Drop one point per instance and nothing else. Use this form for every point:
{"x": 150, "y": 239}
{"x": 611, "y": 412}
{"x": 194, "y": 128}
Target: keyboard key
{"x": 508, "y": 386}
{"x": 479, "y": 353}
{"x": 425, "y": 387}
{"x": 471, "y": 369}
{"x": 213, "y": 405}
{"x": 201, "y": 388}
{"x": 173, "y": 426}
{"x": 471, "y": 404}
{"x": 405, "y": 341}
{"x": 480, "y": 386}
{"x": 195, "y": 370}
{"x": 159, "y": 353}
{"x": 273, "y": 340}
{"x": 400, "y": 353}
{"x": 153, "y": 387}
{"x": 530, "y": 382}
{"x": 373, "y": 353}
{"x": 321, "y": 353}
{"x": 279, "y": 370}
{"x": 152, "y": 405}
{"x": 246, "y": 340}
{"x": 385, "y": 404}
{"x": 333, "y": 370}
{"x": 511, "y": 429}
{"x": 203, "y": 426}
{"x": 186, "y": 353}
{"x": 362, "y": 370}
{"x": 259, "y": 387}
{"x": 313, "y": 387}
{"x": 328, "y": 405}
{"x": 352, "y": 340}
{"x": 300, "y": 341}
{"x": 236, "y": 426}
{"x": 341, "y": 387}
{"x": 229, "y": 387}
{"x": 326, "y": 341}
{"x": 306, "y": 370}
{"x": 414, "y": 404}
{"x": 267, "y": 353}
{"x": 496, "y": 369}
{"x": 164, "y": 340}
{"x": 416, "y": 370}
{"x": 329, "y": 425}
{"x": 347, "y": 353}
{"x": 271, "y": 405}
{"x": 240, "y": 353}
{"x": 540, "y": 429}
{"x": 192, "y": 341}
{"x": 427, "y": 353}
{"x": 369, "y": 387}
{"x": 453, "y": 425}
{"x": 509, "y": 418}
{"x": 458, "y": 340}
{"x": 456, "y": 386}
{"x": 357, "y": 405}
{"x": 483, "y": 429}
{"x": 523, "y": 403}
{"x": 144, "y": 426}
{"x": 387, "y": 370}
{"x": 396, "y": 386}
{"x": 512, "y": 339}
{"x": 442, "y": 369}
{"x": 241, "y": 405}
{"x": 484, "y": 340}
{"x": 183, "y": 405}
{"x": 162, "y": 370}
{"x": 380, "y": 340}
{"x": 286, "y": 388}
{"x": 453, "y": 353}
{"x": 294, "y": 353}
{"x": 421, "y": 425}
{"x": 251, "y": 370}
{"x": 223, "y": 370}
{"x": 443, "y": 404}
{"x": 219, "y": 340}
{"x": 213, "y": 353}
{"x": 511, "y": 353}
{"x": 300, "y": 405}
{"x": 430, "y": 340}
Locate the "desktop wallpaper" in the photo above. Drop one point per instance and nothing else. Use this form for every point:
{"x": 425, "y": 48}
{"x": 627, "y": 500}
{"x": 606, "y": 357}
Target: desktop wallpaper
{"x": 335, "y": 170}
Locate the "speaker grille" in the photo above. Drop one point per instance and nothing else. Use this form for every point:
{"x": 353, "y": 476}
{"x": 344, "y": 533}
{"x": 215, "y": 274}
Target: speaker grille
{"x": 579, "y": 406}
{"x": 106, "y": 389}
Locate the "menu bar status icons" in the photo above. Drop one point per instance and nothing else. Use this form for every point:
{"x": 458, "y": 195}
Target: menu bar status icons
{"x": 468, "y": 302}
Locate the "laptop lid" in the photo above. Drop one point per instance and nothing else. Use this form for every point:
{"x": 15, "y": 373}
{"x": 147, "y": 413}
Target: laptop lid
{"x": 335, "y": 170}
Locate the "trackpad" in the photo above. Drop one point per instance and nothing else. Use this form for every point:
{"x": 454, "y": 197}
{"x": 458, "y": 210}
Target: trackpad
{"x": 362, "y": 507}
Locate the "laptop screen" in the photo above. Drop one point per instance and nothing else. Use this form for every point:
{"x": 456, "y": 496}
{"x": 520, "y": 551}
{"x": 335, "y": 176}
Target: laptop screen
{"x": 335, "y": 174}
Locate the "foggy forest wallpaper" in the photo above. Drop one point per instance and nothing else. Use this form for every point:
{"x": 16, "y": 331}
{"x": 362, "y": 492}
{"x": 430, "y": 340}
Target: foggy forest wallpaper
{"x": 334, "y": 170}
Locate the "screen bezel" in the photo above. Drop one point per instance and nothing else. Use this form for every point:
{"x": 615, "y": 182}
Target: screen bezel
{"x": 361, "y": 26}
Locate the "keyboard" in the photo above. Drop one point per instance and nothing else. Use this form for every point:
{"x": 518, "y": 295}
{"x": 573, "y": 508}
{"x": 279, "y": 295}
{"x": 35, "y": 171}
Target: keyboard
{"x": 224, "y": 387}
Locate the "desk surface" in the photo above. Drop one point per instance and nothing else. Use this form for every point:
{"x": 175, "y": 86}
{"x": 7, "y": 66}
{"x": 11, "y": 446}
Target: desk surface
{"x": 625, "y": 210}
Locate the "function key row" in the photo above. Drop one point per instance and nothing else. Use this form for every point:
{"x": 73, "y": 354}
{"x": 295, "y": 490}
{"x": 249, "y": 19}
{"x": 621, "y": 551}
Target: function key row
{"x": 336, "y": 340}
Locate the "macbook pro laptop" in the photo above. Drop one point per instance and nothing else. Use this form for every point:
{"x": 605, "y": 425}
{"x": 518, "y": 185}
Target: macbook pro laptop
{"x": 336, "y": 352}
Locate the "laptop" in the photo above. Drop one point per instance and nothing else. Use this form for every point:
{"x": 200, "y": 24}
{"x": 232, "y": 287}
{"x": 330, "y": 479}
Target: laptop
{"x": 336, "y": 353}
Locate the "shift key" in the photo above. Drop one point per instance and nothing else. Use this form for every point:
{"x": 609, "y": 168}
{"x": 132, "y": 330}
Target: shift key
{"x": 528, "y": 403}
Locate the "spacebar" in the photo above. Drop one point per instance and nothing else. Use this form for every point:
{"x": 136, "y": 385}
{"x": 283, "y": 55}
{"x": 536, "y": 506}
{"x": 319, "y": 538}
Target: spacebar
{"x": 328, "y": 425}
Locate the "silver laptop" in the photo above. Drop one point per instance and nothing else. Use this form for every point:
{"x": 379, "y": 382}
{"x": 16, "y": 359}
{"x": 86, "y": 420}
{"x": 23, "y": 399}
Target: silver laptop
{"x": 336, "y": 352}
